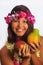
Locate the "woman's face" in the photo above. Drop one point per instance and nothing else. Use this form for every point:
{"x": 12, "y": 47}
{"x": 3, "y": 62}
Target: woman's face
{"x": 19, "y": 26}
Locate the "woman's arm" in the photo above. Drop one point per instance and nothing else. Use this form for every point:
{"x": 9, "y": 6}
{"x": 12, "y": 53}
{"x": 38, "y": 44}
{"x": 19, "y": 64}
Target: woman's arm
{"x": 35, "y": 59}
{"x": 26, "y": 62}
{"x": 5, "y": 58}
{"x": 41, "y": 50}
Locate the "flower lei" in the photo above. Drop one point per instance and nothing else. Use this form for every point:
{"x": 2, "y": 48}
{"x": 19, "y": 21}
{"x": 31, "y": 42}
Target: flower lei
{"x": 28, "y": 16}
{"x": 17, "y": 60}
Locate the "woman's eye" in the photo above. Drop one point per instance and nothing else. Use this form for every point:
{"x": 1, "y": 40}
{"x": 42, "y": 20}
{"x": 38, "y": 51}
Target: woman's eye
{"x": 15, "y": 20}
{"x": 25, "y": 21}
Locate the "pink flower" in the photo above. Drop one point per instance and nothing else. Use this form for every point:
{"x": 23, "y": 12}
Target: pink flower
{"x": 23, "y": 14}
{"x": 8, "y": 19}
{"x": 15, "y": 62}
{"x": 18, "y": 15}
{"x": 31, "y": 18}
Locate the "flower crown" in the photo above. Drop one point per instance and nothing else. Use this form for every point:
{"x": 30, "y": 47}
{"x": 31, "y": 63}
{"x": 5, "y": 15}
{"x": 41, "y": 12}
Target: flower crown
{"x": 21, "y": 14}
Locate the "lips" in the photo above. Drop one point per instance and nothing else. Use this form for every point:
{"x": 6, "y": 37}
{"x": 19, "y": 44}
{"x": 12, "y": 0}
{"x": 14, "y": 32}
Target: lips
{"x": 19, "y": 29}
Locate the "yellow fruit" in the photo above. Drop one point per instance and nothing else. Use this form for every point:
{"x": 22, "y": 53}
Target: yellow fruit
{"x": 34, "y": 37}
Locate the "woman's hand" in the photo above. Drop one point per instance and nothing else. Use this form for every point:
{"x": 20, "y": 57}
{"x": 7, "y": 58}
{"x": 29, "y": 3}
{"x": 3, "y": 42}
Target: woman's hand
{"x": 24, "y": 51}
{"x": 34, "y": 46}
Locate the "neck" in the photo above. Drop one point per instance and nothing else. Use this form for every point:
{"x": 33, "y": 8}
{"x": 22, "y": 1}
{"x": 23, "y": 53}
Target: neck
{"x": 18, "y": 38}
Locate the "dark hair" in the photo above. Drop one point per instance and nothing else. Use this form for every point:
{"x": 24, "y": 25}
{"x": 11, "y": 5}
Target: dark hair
{"x": 11, "y": 35}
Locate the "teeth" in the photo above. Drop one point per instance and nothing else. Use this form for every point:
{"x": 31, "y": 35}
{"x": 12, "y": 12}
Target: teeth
{"x": 20, "y": 30}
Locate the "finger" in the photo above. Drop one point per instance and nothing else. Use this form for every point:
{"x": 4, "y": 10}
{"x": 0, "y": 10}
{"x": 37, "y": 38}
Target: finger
{"x": 32, "y": 45}
{"x": 27, "y": 49}
{"x": 20, "y": 52}
{"x": 26, "y": 52}
{"x": 37, "y": 45}
{"x": 32, "y": 50}
{"x": 23, "y": 52}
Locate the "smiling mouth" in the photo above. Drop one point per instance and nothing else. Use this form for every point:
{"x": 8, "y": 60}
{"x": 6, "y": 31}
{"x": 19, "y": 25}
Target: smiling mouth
{"x": 19, "y": 30}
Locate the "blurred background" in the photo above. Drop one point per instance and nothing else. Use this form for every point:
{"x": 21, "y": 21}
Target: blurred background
{"x": 35, "y": 6}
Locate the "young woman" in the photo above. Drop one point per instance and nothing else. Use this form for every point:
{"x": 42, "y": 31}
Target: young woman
{"x": 20, "y": 24}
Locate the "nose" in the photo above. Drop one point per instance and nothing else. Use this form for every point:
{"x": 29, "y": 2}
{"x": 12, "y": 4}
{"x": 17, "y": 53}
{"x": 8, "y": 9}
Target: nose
{"x": 20, "y": 23}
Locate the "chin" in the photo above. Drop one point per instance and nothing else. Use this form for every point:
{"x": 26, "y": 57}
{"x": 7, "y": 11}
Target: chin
{"x": 20, "y": 35}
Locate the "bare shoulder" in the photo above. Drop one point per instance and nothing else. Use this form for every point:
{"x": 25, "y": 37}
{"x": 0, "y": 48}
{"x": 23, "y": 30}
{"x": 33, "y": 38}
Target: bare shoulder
{"x": 41, "y": 41}
{"x": 41, "y": 38}
{"x": 5, "y": 56}
{"x": 3, "y": 51}
{"x": 4, "y": 48}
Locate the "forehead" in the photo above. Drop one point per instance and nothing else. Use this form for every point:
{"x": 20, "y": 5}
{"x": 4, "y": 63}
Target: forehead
{"x": 22, "y": 19}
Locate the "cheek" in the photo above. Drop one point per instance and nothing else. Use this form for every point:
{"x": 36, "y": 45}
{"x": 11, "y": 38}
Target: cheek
{"x": 26, "y": 26}
{"x": 14, "y": 25}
